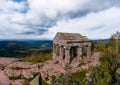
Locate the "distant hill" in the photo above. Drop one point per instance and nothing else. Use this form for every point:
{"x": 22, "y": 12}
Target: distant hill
{"x": 16, "y": 48}
{"x": 104, "y": 40}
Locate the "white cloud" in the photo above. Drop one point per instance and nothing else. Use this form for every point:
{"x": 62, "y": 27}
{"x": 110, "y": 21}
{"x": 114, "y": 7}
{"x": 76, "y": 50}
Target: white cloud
{"x": 96, "y": 18}
{"x": 8, "y": 6}
{"x": 94, "y": 25}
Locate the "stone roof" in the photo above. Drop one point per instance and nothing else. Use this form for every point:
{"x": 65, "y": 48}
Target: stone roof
{"x": 64, "y": 38}
{"x": 70, "y": 37}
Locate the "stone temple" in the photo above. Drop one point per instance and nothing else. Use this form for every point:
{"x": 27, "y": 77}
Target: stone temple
{"x": 70, "y": 48}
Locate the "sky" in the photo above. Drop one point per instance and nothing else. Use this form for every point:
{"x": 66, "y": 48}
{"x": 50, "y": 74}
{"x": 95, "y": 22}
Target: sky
{"x": 42, "y": 19}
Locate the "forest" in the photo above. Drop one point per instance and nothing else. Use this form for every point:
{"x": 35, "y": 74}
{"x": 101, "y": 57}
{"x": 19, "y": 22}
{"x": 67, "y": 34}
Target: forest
{"x": 22, "y": 48}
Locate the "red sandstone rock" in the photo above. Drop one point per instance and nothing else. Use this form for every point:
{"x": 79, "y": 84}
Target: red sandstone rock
{"x": 25, "y": 69}
{"x": 54, "y": 68}
{"x": 12, "y": 73}
{"x": 19, "y": 65}
{"x": 35, "y": 70}
{"x": 27, "y": 74}
{"x": 7, "y": 61}
{"x": 3, "y": 79}
{"x": 18, "y": 82}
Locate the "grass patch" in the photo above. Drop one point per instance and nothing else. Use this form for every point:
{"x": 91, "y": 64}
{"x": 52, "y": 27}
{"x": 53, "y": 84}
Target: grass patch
{"x": 14, "y": 77}
{"x": 81, "y": 64}
{"x": 37, "y": 58}
{"x": 2, "y": 67}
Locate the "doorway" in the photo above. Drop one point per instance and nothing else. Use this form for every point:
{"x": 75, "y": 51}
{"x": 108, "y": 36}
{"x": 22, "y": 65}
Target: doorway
{"x": 73, "y": 52}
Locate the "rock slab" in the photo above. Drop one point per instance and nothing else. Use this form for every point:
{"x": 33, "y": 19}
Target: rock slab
{"x": 35, "y": 81}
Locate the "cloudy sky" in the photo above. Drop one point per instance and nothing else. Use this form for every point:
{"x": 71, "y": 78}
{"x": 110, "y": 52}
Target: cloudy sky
{"x": 42, "y": 19}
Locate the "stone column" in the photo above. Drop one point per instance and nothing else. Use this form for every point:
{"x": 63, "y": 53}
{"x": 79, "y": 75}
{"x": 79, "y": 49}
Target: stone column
{"x": 54, "y": 51}
{"x": 67, "y": 55}
{"x": 88, "y": 51}
{"x": 57, "y": 50}
{"x": 61, "y": 53}
{"x": 79, "y": 53}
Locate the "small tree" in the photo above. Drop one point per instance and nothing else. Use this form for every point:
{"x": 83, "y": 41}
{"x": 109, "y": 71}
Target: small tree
{"x": 100, "y": 46}
{"x": 105, "y": 74}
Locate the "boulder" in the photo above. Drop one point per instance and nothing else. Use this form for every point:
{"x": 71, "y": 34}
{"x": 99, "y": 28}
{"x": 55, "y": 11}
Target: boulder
{"x": 35, "y": 70}
{"x": 3, "y": 79}
{"x": 19, "y": 65}
{"x": 27, "y": 74}
{"x": 18, "y": 82}
{"x": 12, "y": 74}
{"x": 50, "y": 70}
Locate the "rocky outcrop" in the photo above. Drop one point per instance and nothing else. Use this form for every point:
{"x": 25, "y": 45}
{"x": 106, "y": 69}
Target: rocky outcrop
{"x": 27, "y": 74}
{"x": 12, "y": 74}
{"x": 18, "y": 82}
{"x": 15, "y": 72}
{"x": 4, "y": 79}
{"x": 50, "y": 70}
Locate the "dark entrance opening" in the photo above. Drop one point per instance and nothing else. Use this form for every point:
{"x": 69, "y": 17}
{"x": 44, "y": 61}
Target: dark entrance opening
{"x": 73, "y": 53}
{"x": 63, "y": 53}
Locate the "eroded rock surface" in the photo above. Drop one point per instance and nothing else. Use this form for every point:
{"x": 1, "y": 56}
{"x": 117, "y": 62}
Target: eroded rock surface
{"x": 15, "y": 72}
{"x": 18, "y": 82}
{"x": 27, "y": 74}
{"x": 4, "y": 79}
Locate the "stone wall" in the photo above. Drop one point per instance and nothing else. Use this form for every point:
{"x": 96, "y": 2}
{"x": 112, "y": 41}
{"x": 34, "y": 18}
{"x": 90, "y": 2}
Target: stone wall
{"x": 62, "y": 52}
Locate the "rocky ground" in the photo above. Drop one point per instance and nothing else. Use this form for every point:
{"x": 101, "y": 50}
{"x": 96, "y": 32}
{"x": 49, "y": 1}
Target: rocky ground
{"x": 15, "y": 72}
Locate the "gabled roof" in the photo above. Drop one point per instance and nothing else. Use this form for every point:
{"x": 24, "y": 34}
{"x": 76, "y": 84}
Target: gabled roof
{"x": 70, "y": 37}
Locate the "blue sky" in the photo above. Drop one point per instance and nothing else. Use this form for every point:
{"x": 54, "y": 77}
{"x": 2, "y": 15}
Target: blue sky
{"x": 42, "y": 19}
{"x": 18, "y": 0}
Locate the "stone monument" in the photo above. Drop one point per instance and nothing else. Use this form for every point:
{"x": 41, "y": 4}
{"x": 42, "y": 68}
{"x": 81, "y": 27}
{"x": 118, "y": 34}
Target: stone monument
{"x": 70, "y": 48}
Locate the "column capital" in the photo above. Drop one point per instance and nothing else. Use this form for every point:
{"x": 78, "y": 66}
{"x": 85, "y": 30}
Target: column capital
{"x": 80, "y": 46}
{"x": 60, "y": 45}
{"x": 67, "y": 47}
